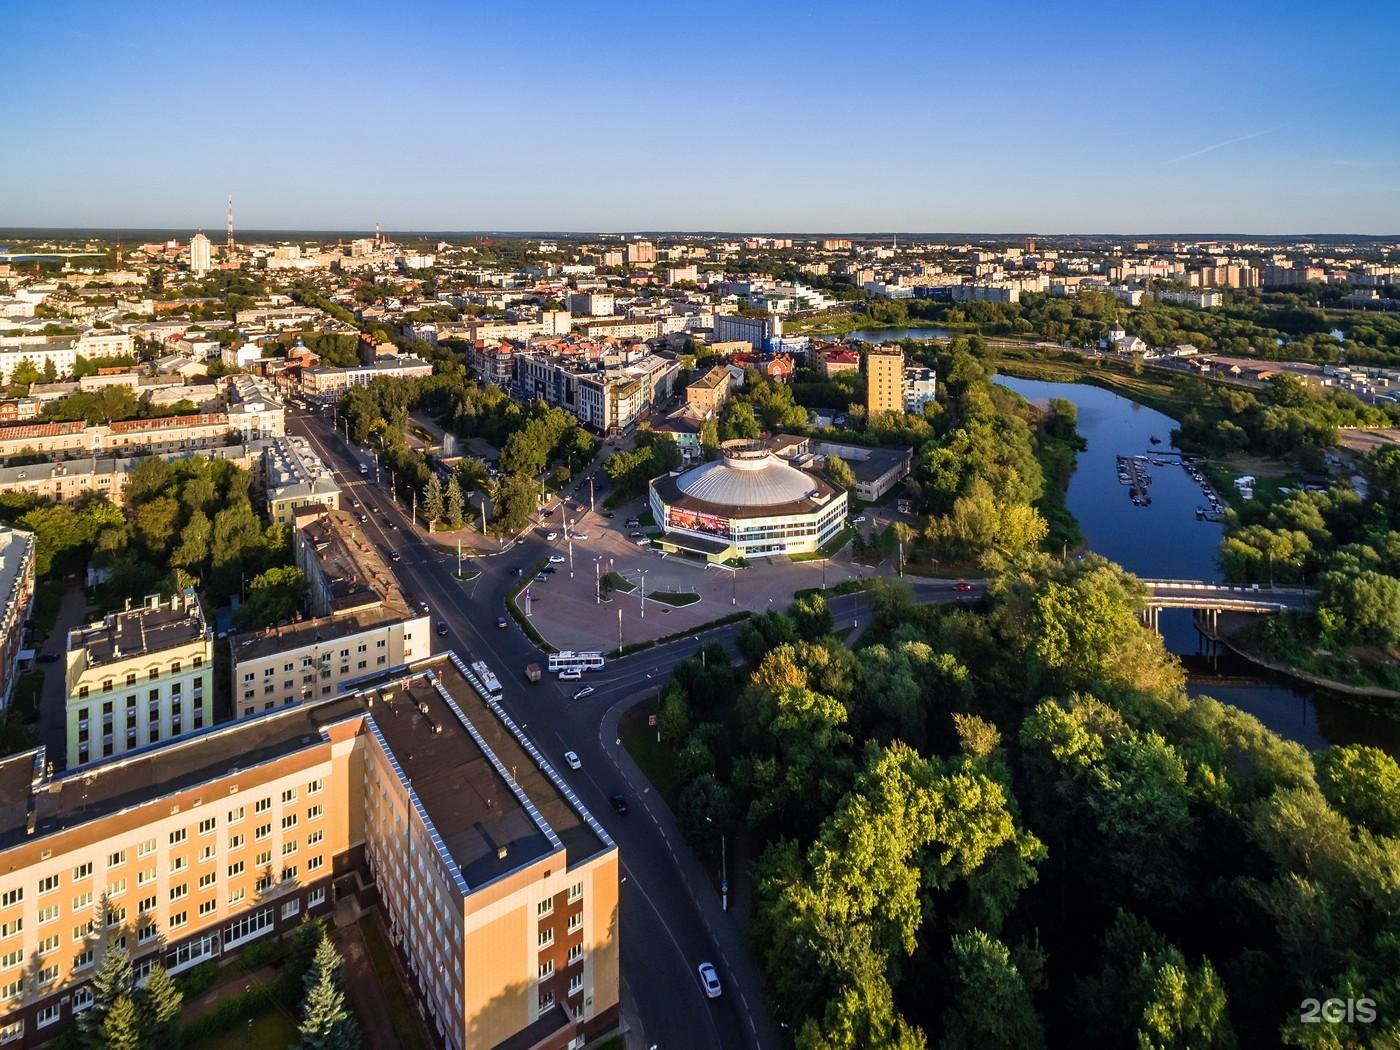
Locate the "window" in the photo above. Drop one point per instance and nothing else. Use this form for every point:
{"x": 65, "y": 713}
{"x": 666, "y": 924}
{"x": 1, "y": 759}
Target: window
{"x": 576, "y": 985}
{"x": 316, "y": 786}
{"x": 206, "y": 853}
{"x": 235, "y": 815}
{"x": 262, "y": 805}
{"x": 263, "y": 831}
{"x": 315, "y": 863}
{"x": 236, "y": 897}
{"x": 576, "y": 922}
{"x": 254, "y": 924}
{"x": 83, "y": 959}
{"x": 178, "y": 919}
{"x": 292, "y": 907}
{"x": 288, "y": 848}
{"x": 316, "y": 896}
{"x": 117, "y": 858}
{"x": 207, "y": 825}
{"x": 147, "y": 905}
{"x": 180, "y": 892}
{"x": 82, "y": 900}
{"x": 146, "y": 848}
{"x": 236, "y": 869}
{"x": 10, "y": 959}
{"x": 207, "y": 907}
{"x": 546, "y": 938}
{"x": 263, "y": 859}
{"x": 545, "y": 907}
{"x": 178, "y": 864}
{"x": 575, "y": 892}
{"x": 177, "y": 836}
{"x": 146, "y": 877}
{"x": 82, "y": 871}
{"x": 314, "y": 838}
{"x": 49, "y": 1015}
{"x": 82, "y": 998}
{"x": 546, "y": 968}
{"x": 11, "y": 989}
{"x": 546, "y": 1002}
{"x": 235, "y": 842}
{"x": 147, "y": 933}
{"x": 48, "y": 944}
{"x": 314, "y": 813}
{"x": 48, "y": 884}
{"x": 117, "y": 888}
{"x": 48, "y": 915}
{"x": 289, "y": 796}
{"x": 289, "y": 873}
{"x": 48, "y": 974}
{"x": 289, "y": 821}
{"x": 575, "y": 953}
{"x": 11, "y": 897}
{"x": 115, "y": 917}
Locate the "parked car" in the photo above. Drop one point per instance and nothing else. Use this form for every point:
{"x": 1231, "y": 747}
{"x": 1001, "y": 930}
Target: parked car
{"x": 573, "y": 760}
{"x": 587, "y": 690}
{"x": 709, "y": 980}
{"x": 619, "y": 803}
{"x": 551, "y": 536}
{"x": 540, "y": 577}
{"x": 441, "y": 627}
{"x": 633, "y": 522}
{"x": 519, "y": 571}
{"x": 634, "y": 534}
{"x": 580, "y": 535}
{"x": 570, "y": 674}
{"x": 502, "y": 622}
{"x": 555, "y": 559}
{"x": 364, "y": 518}
{"x": 859, "y": 519}
{"x": 394, "y": 556}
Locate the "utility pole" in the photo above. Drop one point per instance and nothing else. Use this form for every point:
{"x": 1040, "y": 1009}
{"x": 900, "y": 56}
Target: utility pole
{"x": 733, "y": 586}
{"x": 591, "y": 506}
{"x": 415, "y": 507}
{"x": 569, "y": 540}
{"x": 642, "y": 594}
{"x": 619, "y": 626}
{"x": 597, "y": 582}
{"x": 483, "y": 518}
{"x": 459, "y": 555}
{"x": 392, "y": 497}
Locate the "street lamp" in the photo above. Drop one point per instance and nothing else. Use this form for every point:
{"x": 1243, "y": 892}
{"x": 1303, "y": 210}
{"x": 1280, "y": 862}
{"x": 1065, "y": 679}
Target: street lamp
{"x": 723, "y": 871}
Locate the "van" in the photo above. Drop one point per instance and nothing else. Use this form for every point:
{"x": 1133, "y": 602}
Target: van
{"x": 571, "y": 674}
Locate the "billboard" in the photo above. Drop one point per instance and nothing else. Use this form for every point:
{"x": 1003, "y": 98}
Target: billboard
{"x": 694, "y": 521}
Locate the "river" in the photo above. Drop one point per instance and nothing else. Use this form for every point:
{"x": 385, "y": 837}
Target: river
{"x": 889, "y": 335}
{"x": 1165, "y": 540}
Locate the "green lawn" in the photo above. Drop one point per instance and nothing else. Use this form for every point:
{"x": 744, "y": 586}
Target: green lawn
{"x": 617, "y": 583}
{"x": 656, "y": 760}
{"x": 406, "y": 1020}
{"x": 829, "y": 548}
{"x": 271, "y": 1029}
{"x": 676, "y": 600}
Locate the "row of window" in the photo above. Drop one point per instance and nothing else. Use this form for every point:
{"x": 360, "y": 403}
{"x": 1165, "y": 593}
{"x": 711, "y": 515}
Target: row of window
{"x": 152, "y": 675}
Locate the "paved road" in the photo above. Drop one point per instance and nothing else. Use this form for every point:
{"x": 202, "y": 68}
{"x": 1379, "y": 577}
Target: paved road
{"x": 670, "y": 919}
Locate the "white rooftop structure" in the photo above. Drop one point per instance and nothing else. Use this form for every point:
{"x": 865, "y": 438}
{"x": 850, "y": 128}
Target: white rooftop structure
{"x": 747, "y": 475}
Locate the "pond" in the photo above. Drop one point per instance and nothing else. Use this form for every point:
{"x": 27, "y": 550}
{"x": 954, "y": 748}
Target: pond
{"x": 1165, "y": 539}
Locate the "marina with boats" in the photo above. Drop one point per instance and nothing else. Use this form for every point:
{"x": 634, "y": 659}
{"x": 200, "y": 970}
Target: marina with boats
{"x": 1133, "y": 472}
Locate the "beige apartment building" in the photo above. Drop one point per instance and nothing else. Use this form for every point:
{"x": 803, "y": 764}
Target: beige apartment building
{"x": 295, "y": 477}
{"x": 499, "y": 888}
{"x": 131, "y": 437}
{"x": 17, "y": 592}
{"x": 708, "y": 393}
{"x": 362, "y": 625}
{"x": 884, "y": 381}
{"x": 138, "y": 677}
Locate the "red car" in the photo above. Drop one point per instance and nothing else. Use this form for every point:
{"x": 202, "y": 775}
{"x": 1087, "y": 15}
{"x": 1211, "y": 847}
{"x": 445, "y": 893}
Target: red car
{"x": 962, "y": 586}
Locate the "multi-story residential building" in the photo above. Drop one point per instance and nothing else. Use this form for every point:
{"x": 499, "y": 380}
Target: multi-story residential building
{"x": 255, "y": 409}
{"x": 201, "y": 255}
{"x": 494, "y": 363}
{"x": 592, "y": 304}
{"x": 756, "y": 331}
{"x": 920, "y": 387}
{"x": 1204, "y": 300}
{"x": 295, "y": 477}
{"x": 103, "y": 344}
{"x": 137, "y": 677}
{"x": 610, "y": 400}
{"x": 884, "y": 380}
{"x": 708, "y": 394}
{"x": 622, "y": 328}
{"x": 71, "y": 479}
{"x": 326, "y": 383}
{"x": 204, "y": 430}
{"x": 641, "y": 253}
{"x": 17, "y": 590}
{"x": 59, "y": 353}
{"x": 361, "y": 626}
{"x": 499, "y": 888}
{"x": 984, "y": 292}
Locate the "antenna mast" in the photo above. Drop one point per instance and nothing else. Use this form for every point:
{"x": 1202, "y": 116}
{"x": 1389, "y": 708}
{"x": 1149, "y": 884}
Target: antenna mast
{"x": 230, "y": 225}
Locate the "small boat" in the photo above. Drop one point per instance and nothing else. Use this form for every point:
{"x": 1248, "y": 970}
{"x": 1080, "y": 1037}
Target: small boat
{"x": 1200, "y": 513}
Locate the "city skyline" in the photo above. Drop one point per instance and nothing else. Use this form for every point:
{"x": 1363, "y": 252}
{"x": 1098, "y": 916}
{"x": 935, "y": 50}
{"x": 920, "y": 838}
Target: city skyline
{"x": 1105, "y": 122}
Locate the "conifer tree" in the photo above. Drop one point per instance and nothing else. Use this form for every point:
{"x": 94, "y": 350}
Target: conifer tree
{"x": 326, "y": 1023}
{"x": 455, "y": 505}
{"x": 160, "y": 1002}
{"x": 121, "y": 1028}
{"x": 432, "y": 500}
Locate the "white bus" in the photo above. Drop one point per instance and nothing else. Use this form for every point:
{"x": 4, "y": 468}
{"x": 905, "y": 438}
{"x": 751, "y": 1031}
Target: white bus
{"x": 488, "y": 677}
{"x": 571, "y": 661}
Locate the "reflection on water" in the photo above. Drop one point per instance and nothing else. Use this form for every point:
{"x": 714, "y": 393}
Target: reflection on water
{"x": 889, "y": 335}
{"x": 1165, "y": 540}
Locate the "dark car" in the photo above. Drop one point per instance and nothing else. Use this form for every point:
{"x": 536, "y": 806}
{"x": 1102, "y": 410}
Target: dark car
{"x": 391, "y": 524}
{"x": 540, "y": 577}
{"x": 608, "y": 514}
{"x": 394, "y": 556}
{"x": 548, "y": 570}
{"x": 48, "y": 658}
{"x": 441, "y": 627}
{"x": 501, "y": 621}
{"x": 619, "y": 803}
{"x": 962, "y": 586}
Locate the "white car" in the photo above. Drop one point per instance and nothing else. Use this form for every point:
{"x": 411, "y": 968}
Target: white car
{"x": 572, "y": 759}
{"x": 580, "y": 535}
{"x": 551, "y": 536}
{"x": 859, "y": 519}
{"x": 555, "y": 559}
{"x": 570, "y": 674}
{"x": 709, "y": 980}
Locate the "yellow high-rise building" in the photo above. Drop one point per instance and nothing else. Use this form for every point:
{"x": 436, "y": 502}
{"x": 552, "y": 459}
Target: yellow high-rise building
{"x": 884, "y": 381}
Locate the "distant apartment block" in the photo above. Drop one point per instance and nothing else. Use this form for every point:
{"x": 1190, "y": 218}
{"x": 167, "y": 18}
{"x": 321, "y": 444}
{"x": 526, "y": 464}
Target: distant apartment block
{"x": 17, "y": 590}
{"x": 326, "y": 383}
{"x": 1202, "y": 300}
{"x": 708, "y": 394}
{"x": 295, "y": 477}
{"x": 920, "y": 387}
{"x": 622, "y": 328}
{"x": 592, "y": 304}
{"x": 132, "y": 437}
{"x": 884, "y": 380}
{"x": 255, "y": 409}
{"x": 497, "y": 885}
{"x": 138, "y": 677}
{"x": 361, "y": 623}
{"x": 201, "y": 255}
{"x": 641, "y": 253}
{"x": 610, "y": 400}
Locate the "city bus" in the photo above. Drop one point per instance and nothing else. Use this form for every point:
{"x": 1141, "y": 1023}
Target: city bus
{"x": 488, "y": 677}
{"x": 570, "y": 661}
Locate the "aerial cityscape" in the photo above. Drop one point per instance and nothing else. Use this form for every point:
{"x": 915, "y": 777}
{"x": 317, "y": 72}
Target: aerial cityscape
{"x": 879, "y": 588}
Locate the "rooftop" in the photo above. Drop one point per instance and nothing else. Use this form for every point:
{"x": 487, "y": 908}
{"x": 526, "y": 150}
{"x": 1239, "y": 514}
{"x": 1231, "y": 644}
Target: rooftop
{"x": 711, "y": 379}
{"x": 749, "y": 482}
{"x": 290, "y": 462}
{"x": 152, "y": 627}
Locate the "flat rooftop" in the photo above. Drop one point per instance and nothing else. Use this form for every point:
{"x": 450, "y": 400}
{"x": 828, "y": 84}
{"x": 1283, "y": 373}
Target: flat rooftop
{"x": 149, "y": 628}
{"x": 290, "y": 462}
{"x": 483, "y": 786}
{"x": 355, "y": 571}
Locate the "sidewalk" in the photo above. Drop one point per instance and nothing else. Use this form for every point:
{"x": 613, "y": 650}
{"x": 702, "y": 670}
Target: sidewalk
{"x": 53, "y": 718}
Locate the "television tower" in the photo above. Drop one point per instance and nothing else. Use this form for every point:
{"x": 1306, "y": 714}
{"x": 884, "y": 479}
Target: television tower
{"x": 377, "y": 240}
{"x": 230, "y": 225}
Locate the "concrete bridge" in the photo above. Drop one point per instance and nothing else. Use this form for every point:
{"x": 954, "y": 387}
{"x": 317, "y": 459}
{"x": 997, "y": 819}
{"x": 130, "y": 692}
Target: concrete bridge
{"x": 1211, "y": 599}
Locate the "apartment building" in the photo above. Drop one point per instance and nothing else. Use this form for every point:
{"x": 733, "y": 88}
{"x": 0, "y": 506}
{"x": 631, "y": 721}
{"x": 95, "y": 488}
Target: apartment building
{"x": 756, "y": 331}
{"x": 295, "y": 477}
{"x": 326, "y": 383}
{"x": 884, "y": 380}
{"x": 500, "y": 889}
{"x": 137, "y": 677}
{"x": 201, "y": 254}
{"x": 17, "y": 589}
{"x": 132, "y": 437}
{"x": 622, "y": 328}
{"x": 610, "y": 400}
{"x": 58, "y": 353}
{"x": 920, "y": 387}
{"x": 641, "y": 253}
{"x": 361, "y": 623}
{"x": 592, "y": 304}
{"x": 71, "y": 479}
{"x": 103, "y": 344}
{"x": 255, "y": 409}
{"x": 708, "y": 394}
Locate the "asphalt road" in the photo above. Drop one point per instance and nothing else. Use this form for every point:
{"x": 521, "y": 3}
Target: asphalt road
{"x": 670, "y": 921}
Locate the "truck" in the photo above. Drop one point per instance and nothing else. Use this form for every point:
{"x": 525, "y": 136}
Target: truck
{"x": 532, "y": 672}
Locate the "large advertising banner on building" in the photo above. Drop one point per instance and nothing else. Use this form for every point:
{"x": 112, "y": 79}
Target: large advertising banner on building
{"x": 695, "y": 521}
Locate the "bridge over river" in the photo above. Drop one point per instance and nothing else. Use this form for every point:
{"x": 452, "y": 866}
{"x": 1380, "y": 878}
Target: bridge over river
{"x": 1212, "y": 599}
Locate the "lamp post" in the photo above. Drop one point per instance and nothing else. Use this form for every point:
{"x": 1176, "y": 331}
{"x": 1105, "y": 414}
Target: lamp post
{"x": 733, "y": 586}
{"x": 597, "y": 581}
{"x": 723, "y": 871}
{"x": 642, "y": 594}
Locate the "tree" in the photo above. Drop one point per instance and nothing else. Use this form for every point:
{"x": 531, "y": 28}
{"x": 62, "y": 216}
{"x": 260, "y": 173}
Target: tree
{"x": 111, "y": 983}
{"x": 454, "y": 505}
{"x": 274, "y": 596}
{"x": 121, "y": 1027}
{"x": 709, "y": 437}
{"x": 160, "y": 1001}
{"x": 1363, "y": 784}
{"x": 515, "y": 501}
{"x": 839, "y": 472}
{"x": 432, "y": 500}
{"x": 811, "y": 617}
{"x": 1362, "y": 607}
{"x": 990, "y": 1006}
{"x": 326, "y": 1023}
{"x": 673, "y": 720}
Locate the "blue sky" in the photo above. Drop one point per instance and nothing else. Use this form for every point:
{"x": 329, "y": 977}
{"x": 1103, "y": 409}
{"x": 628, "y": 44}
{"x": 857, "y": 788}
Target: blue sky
{"x": 1071, "y": 117}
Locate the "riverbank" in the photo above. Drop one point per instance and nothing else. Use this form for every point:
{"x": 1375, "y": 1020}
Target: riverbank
{"x": 1237, "y": 633}
{"x": 1172, "y": 395}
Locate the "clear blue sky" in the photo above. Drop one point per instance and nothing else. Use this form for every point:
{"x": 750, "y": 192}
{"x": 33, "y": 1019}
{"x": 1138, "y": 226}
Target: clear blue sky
{"x": 1072, "y": 117}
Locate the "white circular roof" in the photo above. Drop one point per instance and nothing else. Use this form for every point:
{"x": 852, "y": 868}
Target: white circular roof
{"x": 758, "y": 481}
